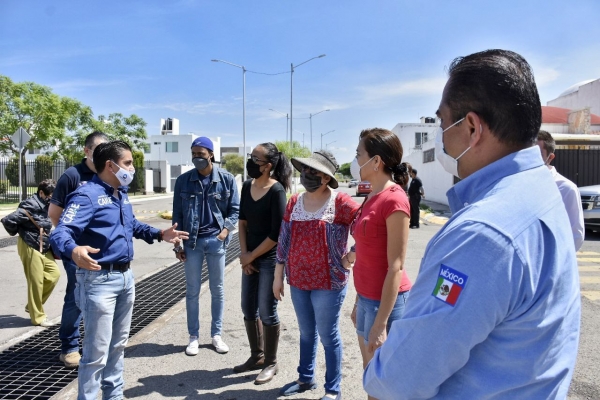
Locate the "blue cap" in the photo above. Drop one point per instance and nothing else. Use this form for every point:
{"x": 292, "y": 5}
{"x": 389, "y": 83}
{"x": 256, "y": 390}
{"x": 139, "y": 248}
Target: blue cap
{"x": 203, "y": 141}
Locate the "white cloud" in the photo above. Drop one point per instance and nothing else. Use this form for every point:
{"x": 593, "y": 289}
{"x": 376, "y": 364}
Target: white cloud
{"x": 77, "y": 84}
{"x": 211, "y": 107}
{"x": 393, "y": 89}
{"x": 544, "y": 76}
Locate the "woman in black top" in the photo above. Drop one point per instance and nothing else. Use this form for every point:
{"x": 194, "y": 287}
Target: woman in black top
{"x": 262, "y": 206}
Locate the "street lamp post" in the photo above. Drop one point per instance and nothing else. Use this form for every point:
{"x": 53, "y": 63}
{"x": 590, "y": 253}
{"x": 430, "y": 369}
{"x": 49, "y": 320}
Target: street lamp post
{"x": 310, "y": 117}
{"x": 330, "y": 143}
{"x": 287, "y": 121}
{"x": 243, "y": 104}
{"x": 292, "y": 93}
{"x": 323, "y": 134}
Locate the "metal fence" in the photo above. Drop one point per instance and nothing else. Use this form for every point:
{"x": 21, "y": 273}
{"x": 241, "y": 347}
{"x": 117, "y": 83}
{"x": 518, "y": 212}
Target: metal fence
{"x": 580, "y": 164}
{"x": 35, "y": 171}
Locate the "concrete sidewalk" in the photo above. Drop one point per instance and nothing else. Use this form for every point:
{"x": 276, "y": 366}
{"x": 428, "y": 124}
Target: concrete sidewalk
{"x": 155, "y": 364}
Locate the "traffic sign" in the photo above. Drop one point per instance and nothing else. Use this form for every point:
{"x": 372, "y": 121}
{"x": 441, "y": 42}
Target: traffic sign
{"x": 20, "y": 138}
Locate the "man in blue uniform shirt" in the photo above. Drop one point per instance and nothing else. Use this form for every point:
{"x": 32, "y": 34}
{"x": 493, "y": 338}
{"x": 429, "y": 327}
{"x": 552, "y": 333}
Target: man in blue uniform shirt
{"x": 495, "y": 310}
{"x": 69, "y": 181}
{"x": 96, "y": 231}
{"x": 205, "y": 204}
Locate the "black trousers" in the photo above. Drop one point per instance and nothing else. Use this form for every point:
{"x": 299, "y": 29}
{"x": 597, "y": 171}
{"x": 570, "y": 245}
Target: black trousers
{"x": 414, "y": 210}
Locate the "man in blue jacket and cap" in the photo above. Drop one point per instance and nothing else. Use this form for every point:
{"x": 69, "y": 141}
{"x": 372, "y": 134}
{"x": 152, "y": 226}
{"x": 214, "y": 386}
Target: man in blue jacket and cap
{"x": 205, "y": 204}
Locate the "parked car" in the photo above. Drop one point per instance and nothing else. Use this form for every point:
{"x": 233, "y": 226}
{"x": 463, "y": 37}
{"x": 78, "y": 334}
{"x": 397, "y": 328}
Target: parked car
{"x": 352, "y": 183}
{"x": 590, "y": 202}
{"x": 363, "y": 188}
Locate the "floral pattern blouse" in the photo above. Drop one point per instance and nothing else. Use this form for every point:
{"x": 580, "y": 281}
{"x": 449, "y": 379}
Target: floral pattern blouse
{"x": 311, "y": 245}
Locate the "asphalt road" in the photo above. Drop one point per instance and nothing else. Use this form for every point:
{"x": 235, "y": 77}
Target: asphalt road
{"x": 156, "y": 367}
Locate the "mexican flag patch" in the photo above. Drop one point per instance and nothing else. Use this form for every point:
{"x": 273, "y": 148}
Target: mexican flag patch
{"x": 450, "y": 285}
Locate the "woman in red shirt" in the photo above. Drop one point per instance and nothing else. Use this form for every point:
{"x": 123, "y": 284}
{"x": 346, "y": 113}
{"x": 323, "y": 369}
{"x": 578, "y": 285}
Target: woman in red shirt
{"x": 380, "y": 232}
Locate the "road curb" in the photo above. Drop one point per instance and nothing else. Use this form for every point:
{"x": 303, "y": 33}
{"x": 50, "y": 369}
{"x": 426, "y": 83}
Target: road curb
{"x": 432, "y": 218}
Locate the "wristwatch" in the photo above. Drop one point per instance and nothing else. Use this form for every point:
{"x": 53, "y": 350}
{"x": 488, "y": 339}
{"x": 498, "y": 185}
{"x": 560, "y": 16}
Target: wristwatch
{"x": 177, "y": 249}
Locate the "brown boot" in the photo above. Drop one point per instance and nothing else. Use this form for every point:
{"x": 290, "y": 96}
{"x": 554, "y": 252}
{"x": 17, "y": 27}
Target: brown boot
{"x": 255, "y": 338}
{"x": 271, "y": 343}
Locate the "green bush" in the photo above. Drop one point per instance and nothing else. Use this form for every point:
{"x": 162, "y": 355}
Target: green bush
{"x": 3, "y": 187}
{"x": 12, "y": 171}
{"x": 139, "y": 178}
{"x": 43, "y": 168}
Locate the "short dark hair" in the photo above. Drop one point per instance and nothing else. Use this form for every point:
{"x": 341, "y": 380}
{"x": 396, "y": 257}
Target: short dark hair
{"x": 91, "y": 138}
{"x": 549, "y": 143}
{"x": 385, "y": 144}
{"x": 47, "y": 186}
{"x": 414, "y": 171}
{"x": 497, "y": 85}
{"x": 109, "y": 151}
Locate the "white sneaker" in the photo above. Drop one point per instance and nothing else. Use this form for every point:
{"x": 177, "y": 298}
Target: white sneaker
{"x": 192, "y": 348}
{"x": 219, "y": 344}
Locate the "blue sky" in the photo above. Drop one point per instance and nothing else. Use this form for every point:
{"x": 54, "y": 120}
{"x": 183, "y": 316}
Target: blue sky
{"x": 385, "y": 60}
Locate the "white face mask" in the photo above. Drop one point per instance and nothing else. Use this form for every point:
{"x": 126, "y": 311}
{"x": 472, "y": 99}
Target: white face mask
{"x": 124, "y": 176}
{"x": 355, "y": 168}
{"x": 450, "y": 164}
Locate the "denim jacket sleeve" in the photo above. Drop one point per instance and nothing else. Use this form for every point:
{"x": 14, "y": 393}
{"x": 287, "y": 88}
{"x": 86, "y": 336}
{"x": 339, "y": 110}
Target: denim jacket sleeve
{"x": 177, "y": 211}
{"x": 233, "y": 205}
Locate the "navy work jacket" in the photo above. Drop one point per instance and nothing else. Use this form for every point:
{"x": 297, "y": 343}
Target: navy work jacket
{"x": 94, "y": 217}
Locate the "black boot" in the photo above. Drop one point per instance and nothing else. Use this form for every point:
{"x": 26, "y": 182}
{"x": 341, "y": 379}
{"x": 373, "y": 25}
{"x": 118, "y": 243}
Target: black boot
{"x": 271, "y": 344}
{"x": 255, "y": 338}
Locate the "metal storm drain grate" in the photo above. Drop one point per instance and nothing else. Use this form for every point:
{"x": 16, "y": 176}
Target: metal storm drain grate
{"x": 31, "y": 369}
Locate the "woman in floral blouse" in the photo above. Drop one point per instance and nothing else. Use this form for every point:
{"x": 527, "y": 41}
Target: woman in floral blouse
{"x": 312, "y": 244}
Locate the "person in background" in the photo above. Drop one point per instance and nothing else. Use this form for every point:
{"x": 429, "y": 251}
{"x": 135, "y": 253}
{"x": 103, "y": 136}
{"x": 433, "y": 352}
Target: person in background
{"x": 406, "y": 177}
{"x": 568, "y": 190}
{"x": 205, "y": 204}
{"x": 311, "y": 247}
{"x": 415, "y": 192}
{"x": 33, "y": 225}
{"x": 67, "y": 183}
{"x": 380, "y": 232}
{"x": 495, "y": 310}
{"x": 96, "y": 231}
{"x": 262, "y": 205}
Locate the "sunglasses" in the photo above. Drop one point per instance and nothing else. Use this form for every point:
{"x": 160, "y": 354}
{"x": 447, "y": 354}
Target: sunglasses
{"x": 255, "y": 159}
{"x": 309, "y": 169}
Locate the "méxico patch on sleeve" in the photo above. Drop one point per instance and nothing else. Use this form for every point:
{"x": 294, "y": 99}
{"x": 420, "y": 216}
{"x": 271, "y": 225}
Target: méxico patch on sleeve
{"x": 449, "y": 285}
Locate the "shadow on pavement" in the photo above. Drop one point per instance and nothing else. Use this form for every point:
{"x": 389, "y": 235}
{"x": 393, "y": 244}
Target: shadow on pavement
{"x": 152, "y": 350}
{"x": 188, "y": 384}
{"x": 13, "y": 321}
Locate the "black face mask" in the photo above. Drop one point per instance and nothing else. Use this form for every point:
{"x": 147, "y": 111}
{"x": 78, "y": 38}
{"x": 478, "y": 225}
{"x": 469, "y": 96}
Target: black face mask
{"x": 200, "y": 163}
{"x": 253, "y": 169}
{"x": 310, "y": 182}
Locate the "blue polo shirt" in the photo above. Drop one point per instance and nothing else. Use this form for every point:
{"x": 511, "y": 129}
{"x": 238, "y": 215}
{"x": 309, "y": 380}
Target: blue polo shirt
{"x": 495, "y": 310}
{"x": 70, "y": 180}
{"x": 94, "y": 217}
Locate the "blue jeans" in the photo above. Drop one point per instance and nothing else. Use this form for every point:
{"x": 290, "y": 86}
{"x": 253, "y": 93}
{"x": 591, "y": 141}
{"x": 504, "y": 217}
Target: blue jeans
{"x": 257, "y": 294}
{"x": 366, "y": 311}
{"x": 71, "y": 315}
{"x": 213, "y": 250}
{"x": 318, "y": 314}
{"x": 106, "y": 302}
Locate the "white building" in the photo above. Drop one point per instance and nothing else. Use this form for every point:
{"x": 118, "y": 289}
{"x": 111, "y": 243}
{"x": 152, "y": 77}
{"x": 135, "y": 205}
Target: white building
{"x": 418, "y": 143}
{"x": 584, "y": 94}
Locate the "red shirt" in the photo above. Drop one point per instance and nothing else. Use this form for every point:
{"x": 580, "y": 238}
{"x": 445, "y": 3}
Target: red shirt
{"x": 370, "y": 235}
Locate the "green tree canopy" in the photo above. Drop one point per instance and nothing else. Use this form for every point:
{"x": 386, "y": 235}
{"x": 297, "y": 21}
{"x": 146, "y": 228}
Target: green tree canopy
{"x": 345, "y": 169}
{"x": 294, "y": 149}
{"x": 233, "y": 163}
{"x": 47, "y": 117}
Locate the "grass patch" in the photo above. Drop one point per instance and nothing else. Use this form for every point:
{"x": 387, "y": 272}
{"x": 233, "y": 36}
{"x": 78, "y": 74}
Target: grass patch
{"x": 426, "y": 208}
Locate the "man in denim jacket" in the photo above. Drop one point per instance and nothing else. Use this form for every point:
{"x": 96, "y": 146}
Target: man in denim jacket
{"x": 205, "y": 204}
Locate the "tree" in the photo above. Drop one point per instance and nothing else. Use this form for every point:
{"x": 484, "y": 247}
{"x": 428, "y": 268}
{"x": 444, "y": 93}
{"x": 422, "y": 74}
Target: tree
{"x": 292, "y": 150}
{"x": 233, "y": 163}
{"x": 139, "y": 179}
{"x": 345, "y": 169}
{"x": 46, "y": 117}
{"x": 43, "y": 168}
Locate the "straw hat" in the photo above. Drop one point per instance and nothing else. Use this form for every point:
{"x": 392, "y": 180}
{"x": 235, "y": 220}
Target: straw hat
{"x": 322, "y": 163}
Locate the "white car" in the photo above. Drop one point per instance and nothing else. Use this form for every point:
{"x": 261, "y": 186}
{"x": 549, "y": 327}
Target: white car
{"x": 352, "y": 183}
{"x": 590, "y": 202}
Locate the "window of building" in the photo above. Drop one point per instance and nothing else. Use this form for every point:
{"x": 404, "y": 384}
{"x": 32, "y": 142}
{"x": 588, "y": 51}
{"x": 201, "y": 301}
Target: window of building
{"x": 172, "y": 147}
{"x": 35, "y": 151}
{"x": 429, "y": 156}
{"x": 420, "y": 138}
